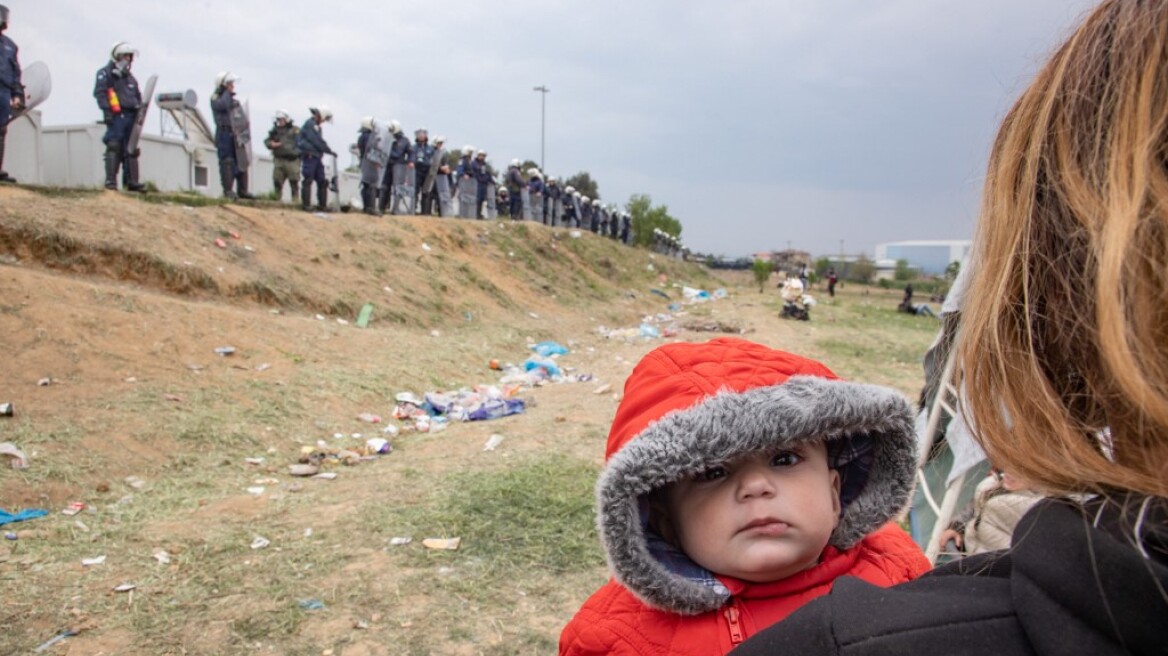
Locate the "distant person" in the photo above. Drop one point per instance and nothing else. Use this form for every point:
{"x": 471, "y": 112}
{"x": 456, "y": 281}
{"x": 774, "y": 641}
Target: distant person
{"x": 285, "y": 155}
{"x": 372, "y": 160}
{"x": 232, "y": 174}
{"x": 740, "y": 483}
{"x": 907, "y": 306}
{"x": 423, "y": 154}
{"x": 832, "y": 279}
{"x": 119, "y": 98}
{"x": 1064, "y": 374}
{"x": 999, "y": 502}
{"x": 482, "y": 176}
{"x": 399, "y": 173}
{"x": 513, "y": 183}
{"x": 11, "y": 89}
{"x": 313, "y": 148}
{"x": 626, "y": 226}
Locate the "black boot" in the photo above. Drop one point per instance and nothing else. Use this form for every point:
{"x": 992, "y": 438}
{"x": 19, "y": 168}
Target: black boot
{"x": 227, "y": 177}
{"x": 383, "y": 196}
{"x": 369, "y": 200}
{"x": 113, "y": 162}
{"x": 322, "y": 198}
{"x": 241, "y": 186}
{"x": 4, "y": 177}
{"x": 305, "y": 196}
{"x": 130, "y": 176}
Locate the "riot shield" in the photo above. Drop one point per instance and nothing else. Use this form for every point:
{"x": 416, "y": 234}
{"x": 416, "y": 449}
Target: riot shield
{"x": 38, "y": 84}
{"x": 241, "y": 127}
{"x": 537, "y": 206}
{"x": 557, "y": 208}
{"x": 492, "y": 208}
{"x": 432, "y": 175}
{"x": 403, "y": 190}
{"x": 140, "y": 119}
{"x": 467, "y": 195}
{"x": 525, "y": 197}
{"x": 445, "y": 204}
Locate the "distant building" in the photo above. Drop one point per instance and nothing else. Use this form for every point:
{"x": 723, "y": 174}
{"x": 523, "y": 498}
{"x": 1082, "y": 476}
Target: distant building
{"x": 929, "y": 257}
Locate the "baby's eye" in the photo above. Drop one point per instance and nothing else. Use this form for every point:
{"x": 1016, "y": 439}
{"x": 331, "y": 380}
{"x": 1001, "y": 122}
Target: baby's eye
{"x": 786, "y": 459}
{"x": 712, "y": 474}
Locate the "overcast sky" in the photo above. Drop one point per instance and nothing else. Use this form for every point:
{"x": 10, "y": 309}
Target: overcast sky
{"x": 759, "y": 123}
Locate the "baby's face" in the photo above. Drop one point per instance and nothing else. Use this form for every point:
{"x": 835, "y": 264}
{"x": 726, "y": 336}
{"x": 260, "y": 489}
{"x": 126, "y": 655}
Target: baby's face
{"x": 761, "y": 518}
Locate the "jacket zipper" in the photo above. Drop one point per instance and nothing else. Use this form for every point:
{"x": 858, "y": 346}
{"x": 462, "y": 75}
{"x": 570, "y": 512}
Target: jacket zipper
{"x": 732, "y": 616}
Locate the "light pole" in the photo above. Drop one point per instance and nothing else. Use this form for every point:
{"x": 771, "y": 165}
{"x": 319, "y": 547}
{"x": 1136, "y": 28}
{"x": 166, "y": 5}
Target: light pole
{"x": 543, "y": 92}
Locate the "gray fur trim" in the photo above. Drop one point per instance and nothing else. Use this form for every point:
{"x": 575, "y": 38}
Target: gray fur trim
{"x": 730, "y": 424}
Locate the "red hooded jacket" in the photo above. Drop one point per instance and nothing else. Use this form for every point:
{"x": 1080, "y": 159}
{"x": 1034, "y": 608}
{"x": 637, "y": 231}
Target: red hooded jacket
{"x": 688, "y": 407}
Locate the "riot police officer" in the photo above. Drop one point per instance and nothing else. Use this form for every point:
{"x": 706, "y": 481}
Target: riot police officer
{"x": 119, "y": 99}
{"x": 11, "y": 90}
{"x": 223, "y": 102}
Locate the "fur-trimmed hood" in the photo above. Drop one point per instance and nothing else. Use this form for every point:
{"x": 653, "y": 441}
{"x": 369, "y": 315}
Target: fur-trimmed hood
{"x": 688, "y": 407}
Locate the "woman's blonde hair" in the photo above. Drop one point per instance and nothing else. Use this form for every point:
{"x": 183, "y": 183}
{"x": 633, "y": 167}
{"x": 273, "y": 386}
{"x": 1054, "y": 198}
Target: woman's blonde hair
{"x": 1064, "y": 347}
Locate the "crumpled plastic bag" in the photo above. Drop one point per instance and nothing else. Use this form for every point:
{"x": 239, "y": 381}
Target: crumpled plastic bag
{"x": 19, "y": 460}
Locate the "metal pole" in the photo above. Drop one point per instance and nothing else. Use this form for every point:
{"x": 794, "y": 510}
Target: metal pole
{"x": 543, "y": 91}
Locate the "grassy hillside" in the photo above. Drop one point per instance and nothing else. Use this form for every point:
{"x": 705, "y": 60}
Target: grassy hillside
{"x": 121, "y": 303}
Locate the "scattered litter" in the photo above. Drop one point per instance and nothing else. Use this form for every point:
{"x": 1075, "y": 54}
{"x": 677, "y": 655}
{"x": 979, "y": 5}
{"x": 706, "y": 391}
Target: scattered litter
{"x": 388, "y": 290}
{"x": 607, "y": 387}
{"x": 398, "y": 542}
{"x": 379, "y": 445}
{"x": 308, "y": 532}
{"x": 173, "y": 397}
{"x": 54, "y": 640}
{"x": 445, "y": 571}
{"x": 256, "y": 491}
{"x": 195, "y": 367}
{"x": 254, "y": 461}
{"x": 328, "y": 476}
{"x": 135, "y": 482}
{"x": 311, "y": 604}
{"x": 494, "y": 364}
{"x": 90, "y": 562}
{"x": 10, "y": 536}
{"x": 22, "y": 516}
{"x": 6, "y": 410}
{"x": 225, "y": 351}
{"x": 660, "y": 293}
{"x": 369, "y": 417}
{"x": 493, "y": 442}
{"x": 575, "y": 234}
{"x": 426, "y": 247}
{"x": 260, "y": 542}
{"x": 407, "y": 397}
{"x": 435, "y": 333}
{"x": 391, "y": 430}
{"x": 365, "y": 315}
{"x": 448, "y": 544}
{"x": 125, "y": 587}
{"x": 19, "y": 460}
{"x": 360, "y": 625}
{"x": 548, "y": 349}
{"x": 533, "y": 315}
{"x": 81, "y": 526}
{"x": 45, "y": 382}
{"x": 73, "y": 508}
{"x": 320, "y": 317}
{"x": 249, "y": 249}
{"x": 263, "y": 367}
{"x": 303, "y": 470}
{"x": 220, "y": 243}
{"x": 342, "y": 321}
{"x": 162, "y": 556}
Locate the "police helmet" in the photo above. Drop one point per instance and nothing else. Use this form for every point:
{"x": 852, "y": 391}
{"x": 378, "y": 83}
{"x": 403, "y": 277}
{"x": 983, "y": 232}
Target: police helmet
{"x": 120, "y": 49}
{"x": 366, "y": 122}
{"x": 282, "y": 115}
{"x": 226, "y": 77}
